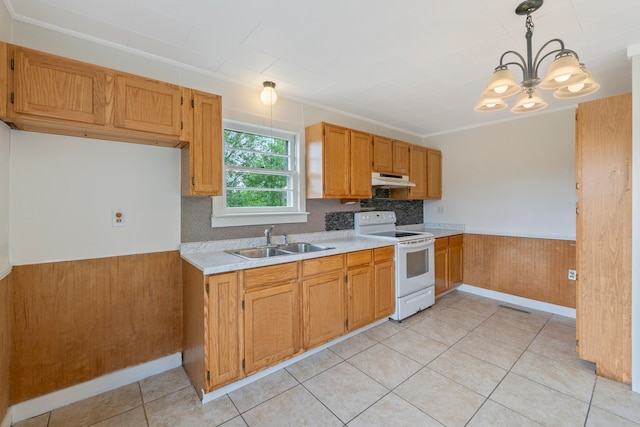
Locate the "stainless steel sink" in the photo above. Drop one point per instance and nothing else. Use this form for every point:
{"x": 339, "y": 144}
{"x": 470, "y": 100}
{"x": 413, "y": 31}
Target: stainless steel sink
{"x": 288, "y": 249}
{"x": 302, "y": 247}
{"x": 253, "y": 253}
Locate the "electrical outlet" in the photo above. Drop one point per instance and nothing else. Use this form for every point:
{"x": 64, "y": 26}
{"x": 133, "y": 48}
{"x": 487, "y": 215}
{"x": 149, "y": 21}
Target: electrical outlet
{"x": 572, "y": 275}
{"x": 440, "y": 209}
{"x": 118, "y": 218}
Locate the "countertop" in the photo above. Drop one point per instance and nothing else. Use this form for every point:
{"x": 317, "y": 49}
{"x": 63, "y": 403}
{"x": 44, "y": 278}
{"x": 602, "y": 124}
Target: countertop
{"x": 210, "y": 258}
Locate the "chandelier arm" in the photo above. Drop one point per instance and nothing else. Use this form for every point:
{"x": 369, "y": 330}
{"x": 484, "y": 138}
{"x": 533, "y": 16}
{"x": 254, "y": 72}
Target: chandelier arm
{"x": 516, "y": 63}
{"x": 522, "y": 64}
{"x": 538, "y": 61}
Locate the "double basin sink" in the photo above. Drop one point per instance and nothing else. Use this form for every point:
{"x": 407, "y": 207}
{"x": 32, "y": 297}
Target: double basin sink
{"x": 280, "y": 250}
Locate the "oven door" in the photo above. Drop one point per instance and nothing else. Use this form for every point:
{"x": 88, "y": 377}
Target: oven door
{"x": 415, "y": 269}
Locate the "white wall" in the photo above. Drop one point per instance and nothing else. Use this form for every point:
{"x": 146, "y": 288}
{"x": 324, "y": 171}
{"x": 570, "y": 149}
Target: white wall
{"x": 64, "y": 188}
{"x": 513, "y": 178}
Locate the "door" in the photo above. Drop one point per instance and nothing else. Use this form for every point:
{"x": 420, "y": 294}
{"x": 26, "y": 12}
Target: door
{"x": 434, "y": 174}
{"x": 400, "y": 158}
{"x": 382, "y": 154}
{"x": 324, "y": 311}
{"x": 455, "y": 260}
{"x": 336, "y": 162}
{"x": 384, "y": 278}
{"x": 418, "y": 172}
{"x": 441, "y": 260}
{"x": 360, "y": 165}
{"x": 205, "y": 149}
{"x": 361, "y": 294}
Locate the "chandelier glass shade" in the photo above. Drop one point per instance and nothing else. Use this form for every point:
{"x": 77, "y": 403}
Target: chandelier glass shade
{"x": 268, "y": 95}
{"x": 569, "y": 77}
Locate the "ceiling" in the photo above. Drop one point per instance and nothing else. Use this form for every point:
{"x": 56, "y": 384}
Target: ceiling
{"x": 415, "y": 65}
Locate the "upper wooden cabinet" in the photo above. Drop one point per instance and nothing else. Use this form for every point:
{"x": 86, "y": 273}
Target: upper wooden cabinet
{"x": 390, "y": 156}
{"x": 604, "y": 229}
{"x": 434, "y": 174}
{"x": 338, "y": 162}
{"x": 47, "y": 93}
{"x": 417, "y": 175}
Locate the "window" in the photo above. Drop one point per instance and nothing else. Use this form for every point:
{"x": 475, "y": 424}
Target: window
{"x": 262, "y": 177}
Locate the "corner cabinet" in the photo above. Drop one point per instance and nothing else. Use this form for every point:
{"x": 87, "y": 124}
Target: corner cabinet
{"x": 338, "y": 162}
{"x": 51, "y": 94}
{"x": 448, "y": 263}
{"x": 603, "y": 235}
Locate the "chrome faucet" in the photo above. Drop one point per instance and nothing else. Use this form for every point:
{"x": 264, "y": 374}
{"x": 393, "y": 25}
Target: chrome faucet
{"x": 267, "y": 234}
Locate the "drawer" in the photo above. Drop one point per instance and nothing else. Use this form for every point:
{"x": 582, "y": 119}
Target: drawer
{"x": 278, "y": 273}
{"x": 325, "y": 264}
{"x": 455, "y": 240}
{"x": 383, "y": 254}
{"x": 358, "y": 258}
{"x": 441, "y": 243}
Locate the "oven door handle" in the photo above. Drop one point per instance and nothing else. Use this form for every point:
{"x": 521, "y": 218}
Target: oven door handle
{"x": 416, "y": 246}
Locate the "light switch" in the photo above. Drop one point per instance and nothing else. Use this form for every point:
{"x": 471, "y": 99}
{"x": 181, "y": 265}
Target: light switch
{"x": 118, "y": 218}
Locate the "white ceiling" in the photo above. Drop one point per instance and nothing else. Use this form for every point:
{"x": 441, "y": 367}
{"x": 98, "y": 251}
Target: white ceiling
{"x": 416, "y": 65}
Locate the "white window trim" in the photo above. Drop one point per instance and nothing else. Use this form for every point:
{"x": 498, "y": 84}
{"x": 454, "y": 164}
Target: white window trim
{"x": 221, "y": 215}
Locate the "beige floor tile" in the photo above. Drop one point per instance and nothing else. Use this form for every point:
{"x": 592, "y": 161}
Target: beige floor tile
{"x": 39, "y": 421}
{"x": 391, "y": 410}
{"x": 492, "y": 414}
{"x": 479, "y": 306}
{"x": 441, "y": 398}
{"x": 487, "y": 349}
{"x": 421, "y": 315}
{"x": 438, "y": 330}
{"x": 295, "y": 407}
{"x": 528, "y": 322}
{"x": 540, "y": 403}
{"x": 133, "y": 418}
{"x": 235, "y": 422}
{"x": 352, "y": 346}
{"x": 451, "y": 298}
{"x": 478, "y": 375}
{"x": 562, "y": 351}
{"x": 384, "y": 331}
{"x": 557, "y": 375}
{"x": 600, "y": 418}
{"x": 385, "y": 365}
{"x": 563, "y": 320}
{"x": 617, "y": 398}
{"x": 162, "y": 384}
{"x": 560, "y": 332}
{"x": 415, "y": 346}
{"x": 98, "y": 408}
{"x": 183, "y": 409}
{"x": 261, "y": 390}
{"x": 345, "y": 390}
{"x": 457, "y": 318}
{"x": 507, "y": 334}
{"x": 313, "y": 365}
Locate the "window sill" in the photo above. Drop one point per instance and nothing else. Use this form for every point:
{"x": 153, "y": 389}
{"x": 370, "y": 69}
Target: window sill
{"x": 236, "y": 220}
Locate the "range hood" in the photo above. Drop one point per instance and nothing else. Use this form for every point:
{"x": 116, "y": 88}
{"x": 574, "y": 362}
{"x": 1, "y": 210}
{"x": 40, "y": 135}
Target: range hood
{"x": 385, "y": 180}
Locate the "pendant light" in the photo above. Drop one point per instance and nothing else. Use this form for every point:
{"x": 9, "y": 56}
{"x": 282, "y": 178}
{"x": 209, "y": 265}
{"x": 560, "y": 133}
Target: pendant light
{"x": 268, "y": 96}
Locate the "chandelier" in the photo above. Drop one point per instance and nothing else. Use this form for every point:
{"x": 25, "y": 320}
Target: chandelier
{"x": 566, "y": 74}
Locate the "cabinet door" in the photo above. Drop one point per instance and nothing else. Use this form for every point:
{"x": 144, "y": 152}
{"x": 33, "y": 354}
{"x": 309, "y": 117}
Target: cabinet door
{"x": 360, "y": 165}
{"x": 434, "y": 174}
{"x": 147, "y": 105}
{"x": 205, "y": 149}
{"x": 441, "y": 267}
{"x": 455, "y": 260}
{"x": 222, "y": 332}
{"x": 400, "y": 158}
{"x": 58, "y": 88}
{"x": 271, "y": 326}
{"x": 336, "y": 162}
{"x": 323, "y": 308}
{"x": 384, "y": 278}
{"x": 418, "y": 172}
{"x": 361, "y": 294}
{"x": 382, "y": 154}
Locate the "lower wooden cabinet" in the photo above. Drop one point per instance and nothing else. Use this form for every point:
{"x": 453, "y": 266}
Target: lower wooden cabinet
{"x": 238, "y": 323}
{"x": 448, "y": 262}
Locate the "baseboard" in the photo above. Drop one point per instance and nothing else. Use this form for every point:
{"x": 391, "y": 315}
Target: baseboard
{"x": 525, "y": 302}
{"x": 4, "y": 273}
{"x": 7, "y": 419}
{"x": 43, "y": 404}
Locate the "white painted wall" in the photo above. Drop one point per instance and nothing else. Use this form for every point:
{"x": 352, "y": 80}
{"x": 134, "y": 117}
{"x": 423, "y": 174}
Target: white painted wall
{"x": 514, "y": 178}
{"x": 64, "y": 188}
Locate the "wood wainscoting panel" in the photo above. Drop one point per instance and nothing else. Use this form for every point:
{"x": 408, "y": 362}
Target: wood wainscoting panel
{"x": 526, "y": 267}
{"x": 5, "y": 346}
{"x": 73, "y": 321}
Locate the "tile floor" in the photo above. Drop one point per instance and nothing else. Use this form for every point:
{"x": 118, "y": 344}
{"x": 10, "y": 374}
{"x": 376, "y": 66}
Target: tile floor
{"x": 464, "y": 362}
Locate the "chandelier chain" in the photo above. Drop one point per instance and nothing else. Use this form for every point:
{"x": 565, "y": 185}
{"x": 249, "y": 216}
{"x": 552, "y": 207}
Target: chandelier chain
{"x": 529, "y": 22}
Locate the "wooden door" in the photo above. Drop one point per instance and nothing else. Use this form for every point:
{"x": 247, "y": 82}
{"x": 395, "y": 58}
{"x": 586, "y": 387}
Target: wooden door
{"x": 605, "y": 231}
{"x": 205, "y": 149}
{"x": 361, "y": 297}
{"x": 271, "y": 326}
{"x": 418, "y": 172}
{"x": 434, "y": 174}
{"x": 52, "y": 87}
{"x": 384, "y": 279}
{"x": 360, "y": 165}
{"x": 147, "y": 105}
{"x": 323, "y": 308}
{"x": 222, "y": 330}
{"x": 441, "y": 267}
{"x": 382, "y": 154}
{"x": 455, "y": 260}
{"x": 400, "y": 158}
{"x": 336, "y": 162}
